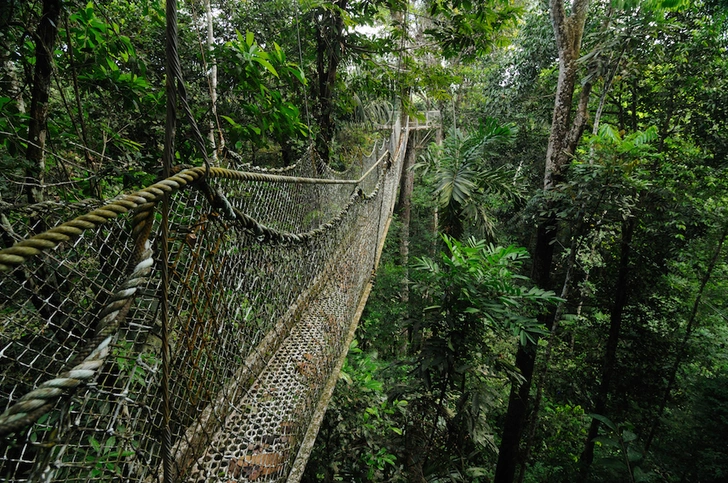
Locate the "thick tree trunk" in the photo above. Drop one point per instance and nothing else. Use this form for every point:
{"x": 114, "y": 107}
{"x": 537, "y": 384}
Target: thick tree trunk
{"x": 610, "y": 355}
{"x": 564, "y": 137}
{"x": 565, "y": 133}
{"x": 37, "y": 127}
{"x": 329, "y": 52}
{"x": 509, "y": 455}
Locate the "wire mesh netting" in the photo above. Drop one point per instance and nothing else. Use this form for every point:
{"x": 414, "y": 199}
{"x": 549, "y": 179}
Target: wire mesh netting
{"x": 266, "y": 271}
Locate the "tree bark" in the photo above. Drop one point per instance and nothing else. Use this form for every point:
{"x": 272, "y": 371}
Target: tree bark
{"x": 610, "y": 355}
{"x": 329, "y": 52}
{"x": 686, "y": 338}
{"x": 218, "y": 143}
{"x": 405, "y": 213}
{"x": 565, "y": 134}
{"x": 37, "y": 128}
{"x": 564, "y": 137}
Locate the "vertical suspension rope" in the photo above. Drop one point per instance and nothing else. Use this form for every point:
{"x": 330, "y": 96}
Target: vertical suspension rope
{"x": 168, "y": 155}
{"x": 300, "y": 60}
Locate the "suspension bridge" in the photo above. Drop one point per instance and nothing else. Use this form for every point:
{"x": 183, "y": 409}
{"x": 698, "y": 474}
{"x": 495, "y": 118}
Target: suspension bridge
{"x": 267, "y": 273}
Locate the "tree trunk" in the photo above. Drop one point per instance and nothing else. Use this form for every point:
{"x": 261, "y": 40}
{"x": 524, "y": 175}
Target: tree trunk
{"x": 413, "y": 446}
{"x": 610, "y": 355}
{"x": 37, "y": 127}
{"x": 217, "y": 143}
{"x": 564, "y": 137}
{"x": 686, "y": 339}
{"x": 509, "y": 455}
{"x": 545, "y": 364}
{"x": 329, "y": 52}
{"x": 405, "y": 211}
{"x": 565, "y": 132}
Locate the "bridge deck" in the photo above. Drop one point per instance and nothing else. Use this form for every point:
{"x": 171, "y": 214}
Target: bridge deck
{"x": 261, "y": 436}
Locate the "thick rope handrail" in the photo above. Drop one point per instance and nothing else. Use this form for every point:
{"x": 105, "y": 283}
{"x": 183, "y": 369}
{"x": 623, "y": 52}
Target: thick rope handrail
{"x": 264, "y": 233}
{"x": 25, "y": 249}
{"x": 6, "y": 207}
{"x": 276, "y": 178}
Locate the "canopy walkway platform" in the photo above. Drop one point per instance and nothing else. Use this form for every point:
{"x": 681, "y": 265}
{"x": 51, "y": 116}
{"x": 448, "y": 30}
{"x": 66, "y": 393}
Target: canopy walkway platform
{"x": 199, "y": 342}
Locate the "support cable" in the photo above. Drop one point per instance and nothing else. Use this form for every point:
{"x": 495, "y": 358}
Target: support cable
{"x": 173, "y": 73}
{"x": 300, "y": 60}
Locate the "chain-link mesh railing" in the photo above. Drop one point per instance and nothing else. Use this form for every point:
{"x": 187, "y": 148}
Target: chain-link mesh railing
{"x": 266, "y": 272}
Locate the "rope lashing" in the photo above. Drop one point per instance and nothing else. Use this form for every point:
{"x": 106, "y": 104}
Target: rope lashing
{"x": 41, "y": 400}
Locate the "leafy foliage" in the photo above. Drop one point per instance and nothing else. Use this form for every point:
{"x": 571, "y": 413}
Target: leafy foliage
{"x": 467, "y": 28}
{"x": 264, "y": 109}
{"x": 463, "y": 179}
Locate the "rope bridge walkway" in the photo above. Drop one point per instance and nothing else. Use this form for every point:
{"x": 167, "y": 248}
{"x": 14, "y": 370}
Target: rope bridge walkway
{"x": 268, "y": 274}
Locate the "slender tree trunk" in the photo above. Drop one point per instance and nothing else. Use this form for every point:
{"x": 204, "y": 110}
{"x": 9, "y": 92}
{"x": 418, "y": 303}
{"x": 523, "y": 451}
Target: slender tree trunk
{"x": 565, "y": 135}
{"x": 94, "y": 185}
{"x": 218, "y": 143}
{"x": 610, "y": 355}
{"x": 605, "y": 90}
{"x": 37, "y": 127}
{"x": 686, "y": 338}
{"x": 436, "y": 212}
{"x": 415, "y": 441}
{"x": 405, "y": 212}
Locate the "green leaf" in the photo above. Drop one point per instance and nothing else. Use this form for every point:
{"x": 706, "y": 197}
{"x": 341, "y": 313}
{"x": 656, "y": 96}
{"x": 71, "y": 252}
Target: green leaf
{"x": 266, "y": 64}
{"x": 110, "y": 443}
{"x": 476, "y": 471}
{"x": 612, "y": 462}
{"x": 605, "y": 420}
{"x": 299, "y": 74}
{"x": 95, "y": 444}
{"x": 230, "y": 120}
{"x": 641, "y": 476}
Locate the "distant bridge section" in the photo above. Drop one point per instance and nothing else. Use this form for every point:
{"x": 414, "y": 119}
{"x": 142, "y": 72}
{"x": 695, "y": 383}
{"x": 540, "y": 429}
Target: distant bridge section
{"x": 432, "y": 120}
{"x": 428, "y": 120}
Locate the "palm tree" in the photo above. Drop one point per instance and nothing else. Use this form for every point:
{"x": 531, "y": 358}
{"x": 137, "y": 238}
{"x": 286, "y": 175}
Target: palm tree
{"x": 463, "y": 180}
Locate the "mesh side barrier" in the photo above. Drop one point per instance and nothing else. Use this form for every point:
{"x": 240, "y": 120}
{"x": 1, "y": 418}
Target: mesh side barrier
{"x": 240, "y": 302}
{"x": 260, "y": 439}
